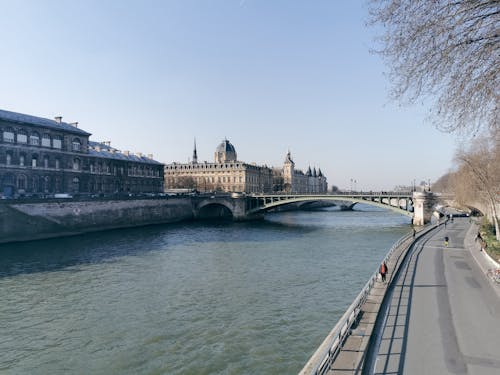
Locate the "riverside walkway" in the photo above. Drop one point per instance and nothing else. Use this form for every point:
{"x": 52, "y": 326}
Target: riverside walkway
{"x": 441, "y": 314}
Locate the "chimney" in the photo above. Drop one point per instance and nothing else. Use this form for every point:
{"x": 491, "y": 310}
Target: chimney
{"x": 150, "y": 156}
{"x": 75, "y": 124}
{"x": 58, "y": 119}
{"x": 139, "y": 154}
{"x": 127, "y": 153}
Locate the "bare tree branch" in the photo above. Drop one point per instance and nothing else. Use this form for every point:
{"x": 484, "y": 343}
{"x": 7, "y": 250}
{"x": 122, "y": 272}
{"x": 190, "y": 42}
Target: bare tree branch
{"x": 446, "y": 50}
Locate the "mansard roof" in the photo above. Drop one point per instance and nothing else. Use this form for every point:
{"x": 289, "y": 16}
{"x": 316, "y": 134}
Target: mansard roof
{"x": 102, "y": 150}
{"x": 21, "y": 118}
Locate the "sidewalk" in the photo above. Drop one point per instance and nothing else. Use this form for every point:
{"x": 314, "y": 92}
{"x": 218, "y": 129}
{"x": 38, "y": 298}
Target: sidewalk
{"x": 483, "y": 260}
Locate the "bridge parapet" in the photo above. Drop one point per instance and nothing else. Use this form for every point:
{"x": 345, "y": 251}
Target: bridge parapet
{"x": 243, "y": 207}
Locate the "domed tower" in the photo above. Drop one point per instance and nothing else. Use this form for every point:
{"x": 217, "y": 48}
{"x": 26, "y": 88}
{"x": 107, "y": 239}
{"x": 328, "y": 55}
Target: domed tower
{"x": 225, "y": 152}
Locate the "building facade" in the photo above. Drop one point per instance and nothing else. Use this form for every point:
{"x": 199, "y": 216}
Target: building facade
{"x": 228, "y": 174}
{"x": 40, "y": 157}
{"x": 288, "y": 179}
{"x": 225, "y": 174}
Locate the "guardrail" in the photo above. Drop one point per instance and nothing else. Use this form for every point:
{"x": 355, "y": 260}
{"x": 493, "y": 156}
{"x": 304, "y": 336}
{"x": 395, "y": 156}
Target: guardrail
{"x": 320, "y": 362}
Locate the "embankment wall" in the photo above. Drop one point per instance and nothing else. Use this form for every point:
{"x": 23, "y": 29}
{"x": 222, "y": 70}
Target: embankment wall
{"x": 29, "y": 221}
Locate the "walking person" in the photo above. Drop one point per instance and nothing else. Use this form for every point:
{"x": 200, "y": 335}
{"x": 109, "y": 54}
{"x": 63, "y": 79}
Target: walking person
{"x": 383, "y": 271}
{"x": 446, "y": 239}
{"x": 478, "y": 237}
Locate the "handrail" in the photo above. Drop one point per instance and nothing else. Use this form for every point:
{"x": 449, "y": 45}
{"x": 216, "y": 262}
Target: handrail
{"x": 320, "y": 361}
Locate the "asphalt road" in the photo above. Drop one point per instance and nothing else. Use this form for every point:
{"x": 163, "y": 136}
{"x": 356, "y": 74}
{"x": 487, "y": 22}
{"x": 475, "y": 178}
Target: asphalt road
{"x": 444, "y": 313}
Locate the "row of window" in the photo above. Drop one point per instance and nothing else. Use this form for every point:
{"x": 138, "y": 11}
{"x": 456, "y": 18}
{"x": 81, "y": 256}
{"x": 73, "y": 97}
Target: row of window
{"x": 203, "y": 166}
{"x": 34, "y": 139}
{"x": 46, "y": 184}
{"x": 76, "y": 165}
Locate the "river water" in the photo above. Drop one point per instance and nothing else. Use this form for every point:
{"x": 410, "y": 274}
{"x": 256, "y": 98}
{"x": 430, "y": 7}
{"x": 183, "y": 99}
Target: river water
{"x": 190, "y": 298}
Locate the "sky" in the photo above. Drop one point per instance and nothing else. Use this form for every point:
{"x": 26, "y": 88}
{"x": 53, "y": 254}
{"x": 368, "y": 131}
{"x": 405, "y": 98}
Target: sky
{"x": 271, "y": 76}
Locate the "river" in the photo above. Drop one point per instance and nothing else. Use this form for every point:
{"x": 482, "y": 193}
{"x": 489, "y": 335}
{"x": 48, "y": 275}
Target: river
{"x": 190, "y": 298}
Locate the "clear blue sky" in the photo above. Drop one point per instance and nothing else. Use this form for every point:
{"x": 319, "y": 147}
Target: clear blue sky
{"x": 150, "y": 76}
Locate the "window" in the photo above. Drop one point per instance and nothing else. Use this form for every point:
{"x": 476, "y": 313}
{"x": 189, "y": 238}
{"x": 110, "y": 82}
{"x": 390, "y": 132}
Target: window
{"x": 34, "y": 139}
{"x": 57, "y": 142}
{"x": 22, "y": 137}
{"x": 21, "y": 182}
{"x": 76, "y": 184}
{"x": 76, "y": 145}
{"x": 8, "y": 159}
{"x": 34, "y": 161}
{"x": 21, "y": 160}
{"x": 76, "y": 164}
{"x": 8, "y": 135}
{"x": 91, "y": 167}
{"x": 46, "y": 140}
{"x": 58, "y": 163}
{"x": 45, "y": 161}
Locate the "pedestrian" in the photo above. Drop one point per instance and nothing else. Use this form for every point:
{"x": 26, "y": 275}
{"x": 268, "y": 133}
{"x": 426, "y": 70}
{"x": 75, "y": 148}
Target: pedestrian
{"x": 478, "y": 237}
{"x": 446, "y": 239}
{"x": 484, "y": 245}
{"x": 383, "y": 271}
{"x": 414, "y": 232}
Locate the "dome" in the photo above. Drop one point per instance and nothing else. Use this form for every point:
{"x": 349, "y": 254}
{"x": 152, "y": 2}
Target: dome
{"x": 225, "y": 146}
{"x": 225, "y": 152}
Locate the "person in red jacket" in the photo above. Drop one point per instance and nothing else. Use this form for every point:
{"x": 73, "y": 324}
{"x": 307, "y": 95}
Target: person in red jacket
{"x": 383, "y": 271}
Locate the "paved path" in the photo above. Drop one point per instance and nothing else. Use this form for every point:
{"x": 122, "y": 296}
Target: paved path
{"x": 444, "y": 314}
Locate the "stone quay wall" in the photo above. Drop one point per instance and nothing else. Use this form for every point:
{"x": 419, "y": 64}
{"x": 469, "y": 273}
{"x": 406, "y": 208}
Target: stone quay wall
{"x": 24, "y": 221}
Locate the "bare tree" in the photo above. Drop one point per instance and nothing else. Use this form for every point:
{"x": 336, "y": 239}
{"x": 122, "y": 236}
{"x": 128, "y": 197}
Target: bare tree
{"x": 445, "y": 50}
{"x": 479, "y": 174}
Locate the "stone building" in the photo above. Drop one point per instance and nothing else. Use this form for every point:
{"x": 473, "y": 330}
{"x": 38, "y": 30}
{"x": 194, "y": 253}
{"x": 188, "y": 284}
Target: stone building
{"x": 228, "y": 174}
{"x": 41, "y": 157}
{"x": 290, "y": 180}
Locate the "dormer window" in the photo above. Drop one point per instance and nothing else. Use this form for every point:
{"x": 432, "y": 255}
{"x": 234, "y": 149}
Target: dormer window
{"x": 46, "y": 140}
{"x": 22, "y": 137}
{"x": 8, "y": 135}
{"x": 57, "y": 142}
{"x": 76, "y": 145}
{"x": 34, "y": 139}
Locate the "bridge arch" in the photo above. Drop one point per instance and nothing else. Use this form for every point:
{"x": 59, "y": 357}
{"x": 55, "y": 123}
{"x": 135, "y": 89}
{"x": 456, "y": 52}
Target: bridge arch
{"x": 214, "y": 210}
{"x": 269, "y": 202}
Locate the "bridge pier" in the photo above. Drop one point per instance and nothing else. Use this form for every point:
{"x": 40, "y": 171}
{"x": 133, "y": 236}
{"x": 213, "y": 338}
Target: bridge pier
{"x": 423, "y": 203}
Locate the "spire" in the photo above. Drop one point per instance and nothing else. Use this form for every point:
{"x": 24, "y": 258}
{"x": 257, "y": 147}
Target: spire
{"x": 195, "y": 154}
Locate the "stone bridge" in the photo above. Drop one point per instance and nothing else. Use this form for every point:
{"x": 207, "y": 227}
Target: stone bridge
{"x": 418, "y": 205}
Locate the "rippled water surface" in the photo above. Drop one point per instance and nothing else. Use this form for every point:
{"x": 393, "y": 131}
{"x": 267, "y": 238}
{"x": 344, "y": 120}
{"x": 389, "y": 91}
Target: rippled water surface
{"x": 191, "y": 298}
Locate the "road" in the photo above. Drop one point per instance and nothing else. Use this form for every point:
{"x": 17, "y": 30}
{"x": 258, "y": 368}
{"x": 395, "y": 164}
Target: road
{"x": 444, "y": 314}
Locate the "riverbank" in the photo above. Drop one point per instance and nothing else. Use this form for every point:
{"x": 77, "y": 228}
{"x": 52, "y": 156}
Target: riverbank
{"x": 25, "y": 220}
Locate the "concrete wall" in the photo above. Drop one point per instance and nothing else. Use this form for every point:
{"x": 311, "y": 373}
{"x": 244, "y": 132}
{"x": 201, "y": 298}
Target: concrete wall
{"x": 29, "y": 221}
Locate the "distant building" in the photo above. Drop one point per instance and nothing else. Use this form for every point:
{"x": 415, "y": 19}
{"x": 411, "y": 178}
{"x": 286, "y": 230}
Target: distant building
{"x": 40, "y": 156}
{"x": 291, "y": 180}
{"x": 228, "y": 174}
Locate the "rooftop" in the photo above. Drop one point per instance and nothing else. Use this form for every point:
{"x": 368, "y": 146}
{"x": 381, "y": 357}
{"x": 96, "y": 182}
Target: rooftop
{"x": 103, "y": 150}
{"x": 40, "y": 121}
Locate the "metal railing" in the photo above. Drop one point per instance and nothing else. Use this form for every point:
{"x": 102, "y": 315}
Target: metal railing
{"x": 321, "y": 360}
